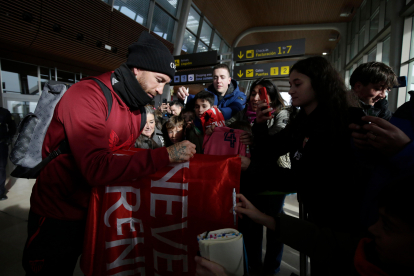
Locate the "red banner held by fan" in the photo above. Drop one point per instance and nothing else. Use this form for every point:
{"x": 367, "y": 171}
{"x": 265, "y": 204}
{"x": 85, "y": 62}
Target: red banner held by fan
{"x": 149, "y": 226}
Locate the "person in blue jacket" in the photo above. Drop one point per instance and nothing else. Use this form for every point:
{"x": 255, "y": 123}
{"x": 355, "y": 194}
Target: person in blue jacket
{"x": 227, "y": 96}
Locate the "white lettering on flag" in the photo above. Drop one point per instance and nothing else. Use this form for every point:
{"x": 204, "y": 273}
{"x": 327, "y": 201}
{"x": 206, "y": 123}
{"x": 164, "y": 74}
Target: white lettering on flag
{"x": 169, "y": 259}
{"x": 169, "y": 199}
{"x": 122, "y": 201}
{"x": 160, "y": 230}
{"x": 131, "y": 222}
{"x": 120, "y": 261}
{"x": 162, "y": 183}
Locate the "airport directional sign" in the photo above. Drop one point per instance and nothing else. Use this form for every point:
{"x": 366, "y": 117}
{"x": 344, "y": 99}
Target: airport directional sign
{"x": 192, "y": 76}
{"x": 263, "y": 70}
{"x": 274, "y": 50}
{"x": 196, "y": 60}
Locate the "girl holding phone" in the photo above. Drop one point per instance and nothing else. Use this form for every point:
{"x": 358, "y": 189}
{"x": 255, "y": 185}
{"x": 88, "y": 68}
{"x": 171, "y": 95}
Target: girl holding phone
{"x": 318, "y": 142}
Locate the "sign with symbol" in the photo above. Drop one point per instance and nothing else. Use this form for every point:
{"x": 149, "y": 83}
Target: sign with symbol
{"x": 263, "y": 70}
{"x": 284, "y": 70}
{"x": 280, "y": 49}
{"x": 196, "y": 60}
{"x": 250, "y": 54}
{"x": 193, "y": 76}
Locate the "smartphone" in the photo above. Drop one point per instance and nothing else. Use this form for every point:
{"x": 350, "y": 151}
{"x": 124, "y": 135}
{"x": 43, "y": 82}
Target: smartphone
{"x": 355, "y": 114}
{"x": 264, "y": 97}
{"x": 164, "y": 101}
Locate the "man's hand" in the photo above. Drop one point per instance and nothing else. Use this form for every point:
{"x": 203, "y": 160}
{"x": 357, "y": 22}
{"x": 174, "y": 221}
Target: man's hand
{"x": 245, "y": 162}
{"x": 181, "y": 152}
{"x": 261, "y": 115}
{"x": 245, "y": 207}
{"x": 163, "y": 107}
{"x": 207, "y": 268}
{"x": 182, "y": 93}
{"x": 384, "y": 136}
{"x": 246, "y": 138}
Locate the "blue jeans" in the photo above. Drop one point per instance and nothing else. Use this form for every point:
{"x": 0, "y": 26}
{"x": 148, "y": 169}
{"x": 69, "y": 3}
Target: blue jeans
{"x": 4, "y": 153}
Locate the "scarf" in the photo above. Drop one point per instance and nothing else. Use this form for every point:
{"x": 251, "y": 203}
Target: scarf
{"x": 128, "y": 88}
{"x": 251, "y": 115}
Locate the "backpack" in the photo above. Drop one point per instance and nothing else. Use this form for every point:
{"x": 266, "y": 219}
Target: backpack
{"x": 26, "y": 153}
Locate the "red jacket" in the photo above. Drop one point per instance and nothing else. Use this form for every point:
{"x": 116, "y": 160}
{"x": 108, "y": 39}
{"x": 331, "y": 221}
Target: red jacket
{"x": 62, "y": 189}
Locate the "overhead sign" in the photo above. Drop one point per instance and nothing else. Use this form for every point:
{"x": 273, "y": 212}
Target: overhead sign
{"x": 195, "y": 60}
{"x": 273, "y": 50}
{"x": 192, "y": 76}
{"x": 264, "y": 70}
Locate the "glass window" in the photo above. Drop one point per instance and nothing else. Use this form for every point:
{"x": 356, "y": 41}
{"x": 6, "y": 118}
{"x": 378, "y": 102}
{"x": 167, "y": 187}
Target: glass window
{"x": 202, "y": 47}
{"x": 386, "y": 51}
{"x": 352, "y": 49}
{"x": 216, "y": 42}
{"x": 374, "y": 5}
{"x": 193, "y": 21}
{"x": 354, "y": 28}
{"x": 188, "y": 42}
{"x": 410, "y": 84}
{"x": 364, "y": 13}
{"x": 361, "y": 39}
{"x": 135, "y": 9}
{"x": 412, "y": 42}
{"x": 372, "y": 56}
{"x": 65, "y": 76}
{"x": 225, "y": 48}
{"x": 373, "y": 27}
{"x": 169, "y": 5}
{"x": 205, "y": 34}
{"x": 359, "y": 62}
{"x": 20, "y": 109}
{"x": 19, "y": 77}
{"x": 46, "y": 74}
{"x": 387, "y": 13}
{"x": 162, "y": 24}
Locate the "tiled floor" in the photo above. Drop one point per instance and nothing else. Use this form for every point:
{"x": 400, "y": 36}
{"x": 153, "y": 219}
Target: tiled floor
{"x": 13, "y": 221}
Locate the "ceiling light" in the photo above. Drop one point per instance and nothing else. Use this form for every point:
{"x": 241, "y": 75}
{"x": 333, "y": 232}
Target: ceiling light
{"x": 324, "y": 53}
{"x": 346, "y": 11}
{"x": 107, "y": 47}
{"x": 333, "y": 37}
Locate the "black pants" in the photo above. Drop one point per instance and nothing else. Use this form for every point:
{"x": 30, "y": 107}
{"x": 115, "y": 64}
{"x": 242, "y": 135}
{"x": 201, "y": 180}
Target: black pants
{"x": 53, "y": 246}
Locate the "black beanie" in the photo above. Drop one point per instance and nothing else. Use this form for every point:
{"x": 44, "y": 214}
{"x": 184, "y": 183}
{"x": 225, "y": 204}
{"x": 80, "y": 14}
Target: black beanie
{"x": 150, "y": 54}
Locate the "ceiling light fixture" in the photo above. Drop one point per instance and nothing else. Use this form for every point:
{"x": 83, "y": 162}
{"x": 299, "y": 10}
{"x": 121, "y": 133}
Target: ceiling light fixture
{"x": 333, "y": 37}
{"x": 346, "y": 11}
{"x": 324, "y": 53}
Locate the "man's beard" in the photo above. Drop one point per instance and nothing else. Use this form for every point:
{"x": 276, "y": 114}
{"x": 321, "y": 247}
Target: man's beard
{"x": 143, "y": 82}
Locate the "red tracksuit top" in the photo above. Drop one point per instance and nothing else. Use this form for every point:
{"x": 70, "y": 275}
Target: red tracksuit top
{"x": 62, "y": 189}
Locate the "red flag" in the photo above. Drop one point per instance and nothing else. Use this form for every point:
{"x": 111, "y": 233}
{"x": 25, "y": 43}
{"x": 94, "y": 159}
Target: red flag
{"x": 149, "y": 226}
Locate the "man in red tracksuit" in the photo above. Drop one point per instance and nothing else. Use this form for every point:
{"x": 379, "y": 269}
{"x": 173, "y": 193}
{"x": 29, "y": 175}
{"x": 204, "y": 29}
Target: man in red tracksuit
{"x": 60, "y": 197}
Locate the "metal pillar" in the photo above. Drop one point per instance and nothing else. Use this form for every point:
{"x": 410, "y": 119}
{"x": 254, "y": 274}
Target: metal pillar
{"x": 397, "y": 27}
{"x": 182, "y": 23}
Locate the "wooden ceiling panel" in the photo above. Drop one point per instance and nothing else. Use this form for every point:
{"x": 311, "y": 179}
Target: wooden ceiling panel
{"x": 232, "y": 17}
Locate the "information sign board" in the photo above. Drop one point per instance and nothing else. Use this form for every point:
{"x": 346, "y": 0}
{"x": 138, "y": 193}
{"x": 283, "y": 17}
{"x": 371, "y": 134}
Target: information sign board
{"x": 281, "y": 49}
{"x": 192, "y": 76}
{"x": 195, "y": 60}
{"x": 263, "y": 70}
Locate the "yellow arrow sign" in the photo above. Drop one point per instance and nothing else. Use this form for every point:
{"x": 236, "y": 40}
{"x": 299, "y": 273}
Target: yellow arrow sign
{"x": 241, "y": 55}
{"x": 240, "y": 74}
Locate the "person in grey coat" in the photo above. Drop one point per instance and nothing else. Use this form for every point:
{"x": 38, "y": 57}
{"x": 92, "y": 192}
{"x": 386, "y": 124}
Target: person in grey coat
{"x": 151, "y": 136}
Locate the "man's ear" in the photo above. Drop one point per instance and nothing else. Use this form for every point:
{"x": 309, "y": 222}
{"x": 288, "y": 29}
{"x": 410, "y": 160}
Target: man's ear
{"x": 229, "y": 80}
{"x": 137, "y": 72}
{"x": 357, "y": 86}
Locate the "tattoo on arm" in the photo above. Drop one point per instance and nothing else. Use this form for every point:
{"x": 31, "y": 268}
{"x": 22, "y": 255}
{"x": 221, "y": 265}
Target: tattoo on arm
{"x": 177, "y": 153}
